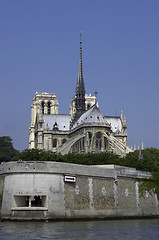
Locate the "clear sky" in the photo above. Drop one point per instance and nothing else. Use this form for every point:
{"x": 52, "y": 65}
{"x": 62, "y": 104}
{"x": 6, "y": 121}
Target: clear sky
{"x": 39, "y": 51}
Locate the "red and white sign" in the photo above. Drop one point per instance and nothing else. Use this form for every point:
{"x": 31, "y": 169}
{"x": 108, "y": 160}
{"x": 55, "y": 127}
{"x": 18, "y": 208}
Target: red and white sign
{"x": 69, "y": 178}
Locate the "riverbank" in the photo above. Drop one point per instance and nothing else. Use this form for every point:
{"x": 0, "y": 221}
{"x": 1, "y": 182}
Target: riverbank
{"x": 62, "y": 191}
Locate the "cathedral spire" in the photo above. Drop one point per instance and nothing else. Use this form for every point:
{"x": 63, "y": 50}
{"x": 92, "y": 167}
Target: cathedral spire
{"x": 80, "y": 83}
{"x": 80, "y": 106}
{"x": 80, "y": 88}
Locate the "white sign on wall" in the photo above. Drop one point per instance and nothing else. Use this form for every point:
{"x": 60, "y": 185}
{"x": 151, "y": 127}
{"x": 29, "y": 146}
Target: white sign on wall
{"x": 69, "y": 178}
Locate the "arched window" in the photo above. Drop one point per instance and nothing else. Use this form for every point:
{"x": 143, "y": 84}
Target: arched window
{"x": 54, "y": 143}
{"x": 98, "y": 141}
{"x": 42, "y": 107}
{"x": 49, "y": 108}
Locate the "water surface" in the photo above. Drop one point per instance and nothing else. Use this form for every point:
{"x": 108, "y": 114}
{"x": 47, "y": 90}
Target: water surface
{"x": 79, "y": 230}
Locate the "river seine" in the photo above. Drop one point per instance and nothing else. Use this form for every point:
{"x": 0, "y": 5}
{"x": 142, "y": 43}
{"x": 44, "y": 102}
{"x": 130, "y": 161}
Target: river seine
{"x": 79, "y": 230}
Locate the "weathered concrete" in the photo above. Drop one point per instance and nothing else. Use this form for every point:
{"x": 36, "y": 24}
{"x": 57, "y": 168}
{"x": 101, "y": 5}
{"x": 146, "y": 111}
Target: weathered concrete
{"x": 99, "y": 191}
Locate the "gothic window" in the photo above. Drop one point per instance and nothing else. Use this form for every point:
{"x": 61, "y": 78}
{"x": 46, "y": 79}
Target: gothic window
{"x": 42, "y": 107}
{"x": 54, "y": 143}
{"x": 98, "y": 141}
{"x": 49, "y": 108}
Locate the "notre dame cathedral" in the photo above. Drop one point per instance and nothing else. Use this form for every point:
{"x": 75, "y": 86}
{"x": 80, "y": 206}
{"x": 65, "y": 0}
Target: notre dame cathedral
{"x": 84, "y": 130}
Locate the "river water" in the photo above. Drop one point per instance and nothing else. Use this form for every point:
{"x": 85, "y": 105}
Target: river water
{"x": 79, "y": 230}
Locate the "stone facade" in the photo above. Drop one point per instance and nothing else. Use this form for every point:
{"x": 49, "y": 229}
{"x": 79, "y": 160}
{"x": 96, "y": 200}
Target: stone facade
{"x": 39, "y": 190}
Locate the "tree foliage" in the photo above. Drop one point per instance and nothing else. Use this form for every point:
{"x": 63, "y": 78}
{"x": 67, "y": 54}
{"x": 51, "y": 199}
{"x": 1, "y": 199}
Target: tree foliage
{"x": 7, "y": 150}
{"x": 86, "y": 159}
{"x": 149, "y": 162}
{"x": 150, "y": 185}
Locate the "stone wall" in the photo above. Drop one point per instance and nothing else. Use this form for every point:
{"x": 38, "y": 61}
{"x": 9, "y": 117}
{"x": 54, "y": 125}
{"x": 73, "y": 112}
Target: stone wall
{"x": 37, "y": 190}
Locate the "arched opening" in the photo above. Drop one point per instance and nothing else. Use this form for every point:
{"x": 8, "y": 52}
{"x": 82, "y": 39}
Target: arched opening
{"x": 49, "y": 108}
{"x": 98, "y": 141}
{"x": 42, "y": 107}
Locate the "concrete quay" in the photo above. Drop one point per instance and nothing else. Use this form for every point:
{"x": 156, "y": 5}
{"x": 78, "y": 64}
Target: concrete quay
{"x": 54, "y": 190}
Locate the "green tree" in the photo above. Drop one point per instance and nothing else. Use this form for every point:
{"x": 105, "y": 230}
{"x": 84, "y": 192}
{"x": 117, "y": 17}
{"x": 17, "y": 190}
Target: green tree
{"x": 151, "y": 185}
{"x": 35, "y": 155}
{"x": 149, "y": 162}
{"x": 7, "y": 150}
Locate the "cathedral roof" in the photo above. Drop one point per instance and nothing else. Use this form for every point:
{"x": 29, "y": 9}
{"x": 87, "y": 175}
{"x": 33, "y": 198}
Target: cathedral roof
{"x": 62, "y": 122}
{"x": 92, "y": 115}
{"x": 115, "y": 123}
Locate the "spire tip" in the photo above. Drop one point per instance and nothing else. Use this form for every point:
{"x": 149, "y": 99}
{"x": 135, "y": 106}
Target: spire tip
{"x": 80, "y": 37}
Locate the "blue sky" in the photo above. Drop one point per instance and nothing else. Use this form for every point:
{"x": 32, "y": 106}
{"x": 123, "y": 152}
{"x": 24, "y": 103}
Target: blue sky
{"x": 39, "y": 51}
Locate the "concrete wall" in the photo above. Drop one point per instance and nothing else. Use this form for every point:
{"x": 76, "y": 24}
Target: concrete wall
{"x": 99, "y": 191}
{"x": 1, "y": 190}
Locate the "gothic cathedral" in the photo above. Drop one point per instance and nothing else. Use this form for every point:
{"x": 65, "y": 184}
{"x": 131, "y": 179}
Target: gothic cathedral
{"x": 84, "y": 130}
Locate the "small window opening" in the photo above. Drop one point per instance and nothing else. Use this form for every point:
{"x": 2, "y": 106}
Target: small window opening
{"x": 30, "y": 201}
